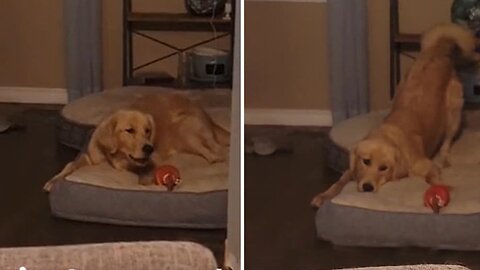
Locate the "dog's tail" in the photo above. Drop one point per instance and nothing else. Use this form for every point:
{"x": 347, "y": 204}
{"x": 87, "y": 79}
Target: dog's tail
{"x": 451, "y": 40}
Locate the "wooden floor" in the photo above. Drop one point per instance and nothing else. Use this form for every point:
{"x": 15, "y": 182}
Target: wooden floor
{"x": 279, "y": 229}
{"x": 31, "y": 156}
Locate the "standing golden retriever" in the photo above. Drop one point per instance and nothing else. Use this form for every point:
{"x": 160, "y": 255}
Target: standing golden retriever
{"x": 425, "y": 116}
{"x": 154, "y": 128}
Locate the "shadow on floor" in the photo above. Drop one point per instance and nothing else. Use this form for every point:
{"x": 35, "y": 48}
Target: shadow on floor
{"x": 279, "y": 229}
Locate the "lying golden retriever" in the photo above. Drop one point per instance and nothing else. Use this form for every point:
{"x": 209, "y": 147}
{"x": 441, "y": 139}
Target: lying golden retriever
{"x": 425, "y": 117}
{"x": 154, "y": 128}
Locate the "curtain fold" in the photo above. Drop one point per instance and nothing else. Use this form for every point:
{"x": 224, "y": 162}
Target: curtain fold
{"x": 347, "y": 28}
{"x": 83, "y": 47}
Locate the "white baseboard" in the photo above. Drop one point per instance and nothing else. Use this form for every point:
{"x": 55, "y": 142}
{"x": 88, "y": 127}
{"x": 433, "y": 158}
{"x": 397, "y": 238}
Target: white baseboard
{"x": 35, "y": 95}
{"x": 317, "y": 118}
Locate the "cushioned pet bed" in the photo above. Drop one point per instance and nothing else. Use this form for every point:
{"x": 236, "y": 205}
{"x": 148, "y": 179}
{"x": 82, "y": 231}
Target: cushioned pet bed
{"x": 103, "y": 194}
{"x": 395, "y": 215}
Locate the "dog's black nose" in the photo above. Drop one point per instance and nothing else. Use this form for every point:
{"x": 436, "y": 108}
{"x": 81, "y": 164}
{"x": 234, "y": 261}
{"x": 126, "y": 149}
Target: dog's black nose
{"x": 367, "y": 187}
{"x": 147, "y": 149}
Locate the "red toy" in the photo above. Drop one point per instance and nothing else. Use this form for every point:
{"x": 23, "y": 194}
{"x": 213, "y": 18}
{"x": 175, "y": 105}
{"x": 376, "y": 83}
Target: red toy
{"x": 168, "y": 176}
{"x": 437, "y": 197}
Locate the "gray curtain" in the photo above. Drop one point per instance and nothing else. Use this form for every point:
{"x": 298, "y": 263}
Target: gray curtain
{"x": 83, "y": 47}
{"x": 348, "y": 58}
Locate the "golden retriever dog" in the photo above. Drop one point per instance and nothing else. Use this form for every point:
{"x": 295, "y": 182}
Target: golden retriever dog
{"x": 155, "y": 127}
{"x": 423, "y": 121}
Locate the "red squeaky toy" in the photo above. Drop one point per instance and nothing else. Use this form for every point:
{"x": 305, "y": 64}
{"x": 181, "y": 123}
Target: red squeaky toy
{"x": 437, "y": 197}
{"x": 168, "y": 176}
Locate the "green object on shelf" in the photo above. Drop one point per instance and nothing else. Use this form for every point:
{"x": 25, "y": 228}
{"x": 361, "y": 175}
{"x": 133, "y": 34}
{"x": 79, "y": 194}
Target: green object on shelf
{"x": 466, "y": 12}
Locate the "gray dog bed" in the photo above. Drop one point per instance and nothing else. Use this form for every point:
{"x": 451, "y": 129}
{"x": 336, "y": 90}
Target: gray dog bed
{"x": 79, "y": 118}
{"x": 395, "y": 215}
{"x": 103, "y": 194}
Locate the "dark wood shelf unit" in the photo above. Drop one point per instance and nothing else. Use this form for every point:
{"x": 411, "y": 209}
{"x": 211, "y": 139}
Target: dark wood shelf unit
{"x": 135, "y": 23}
{"x": 176, "y": 22}
{"x": 407, "y": 38}
{"x": 399, "y": 42}
{"x": 189, "y": 85}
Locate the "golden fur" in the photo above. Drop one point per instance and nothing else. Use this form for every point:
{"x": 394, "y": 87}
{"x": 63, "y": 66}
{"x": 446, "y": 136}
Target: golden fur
{"x": 424, "y": 118}
{"x": 154, "y": 128}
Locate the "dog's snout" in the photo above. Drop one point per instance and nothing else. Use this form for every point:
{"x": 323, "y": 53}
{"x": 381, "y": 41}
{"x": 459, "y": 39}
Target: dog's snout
{"x": 147, "y": 149}
{"x": 367, "y": 187}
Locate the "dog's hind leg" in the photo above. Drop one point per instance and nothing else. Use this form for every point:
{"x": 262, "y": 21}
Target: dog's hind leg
{"x": 454, "y": 104}
{"x": 208, "y": 148}
{"x": 196, "y": 138}
{"x": 222, "y": 136}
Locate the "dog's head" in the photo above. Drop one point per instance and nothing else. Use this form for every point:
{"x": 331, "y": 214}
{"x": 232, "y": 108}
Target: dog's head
{"x": 128, "y": 134}
{"x": 373, "y": 162}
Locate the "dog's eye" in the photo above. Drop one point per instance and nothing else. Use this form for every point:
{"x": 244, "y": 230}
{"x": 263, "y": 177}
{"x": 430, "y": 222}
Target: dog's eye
{"x": 382, "y": 168}
{"x": 147, "y": 131}
{"x": 367, "y": 161}
{"x": 130, "y": 130}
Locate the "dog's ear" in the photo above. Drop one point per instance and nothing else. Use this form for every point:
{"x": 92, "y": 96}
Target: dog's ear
{"x": 104, "y": 135}
{"x": 399, "y": 167}
{"x": 353, "y": 159}
{"x": 151, "y": 123}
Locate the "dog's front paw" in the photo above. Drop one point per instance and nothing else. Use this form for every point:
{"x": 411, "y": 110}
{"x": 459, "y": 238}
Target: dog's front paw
{"x": 49, "y": 185}
{"x": 318, "y": 200}
{"x": 146, "y": 180}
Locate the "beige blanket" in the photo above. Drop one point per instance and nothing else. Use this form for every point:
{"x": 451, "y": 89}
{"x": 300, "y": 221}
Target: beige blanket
{"x": 156, "y": 255}
{"x": 197, "y": 176}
